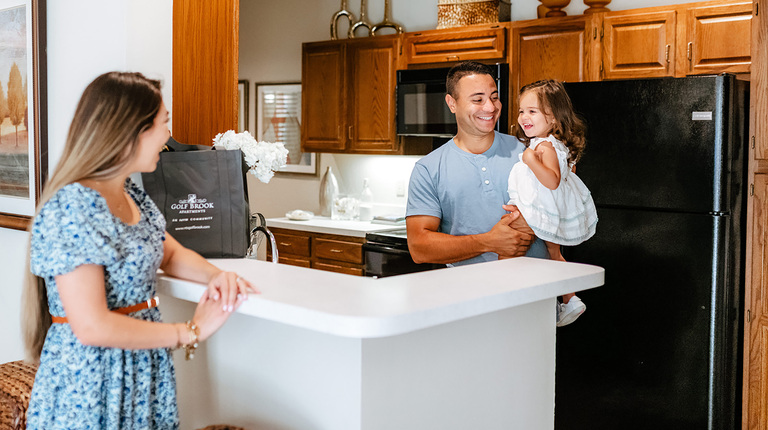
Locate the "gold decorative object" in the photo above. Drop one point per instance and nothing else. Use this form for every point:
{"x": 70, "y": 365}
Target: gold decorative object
{"x": 596, "y": 6}
{"x": 458, "y": 13}
{"x": 387, "y": 23}
{"x": 362, "y": 23}
{"x": 339, "y": 14}
{"x": 541, "y": 11}
{"x": 555, "y": 7}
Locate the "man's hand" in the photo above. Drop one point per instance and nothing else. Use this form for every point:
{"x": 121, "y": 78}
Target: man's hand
{"x": 511, "y": 236}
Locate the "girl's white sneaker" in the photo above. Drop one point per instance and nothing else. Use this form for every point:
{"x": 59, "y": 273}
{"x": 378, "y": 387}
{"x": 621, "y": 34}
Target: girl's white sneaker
{"x": 568, "y": 312}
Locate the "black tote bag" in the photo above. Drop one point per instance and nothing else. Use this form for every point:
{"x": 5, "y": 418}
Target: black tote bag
{"x": 204, "y": 198}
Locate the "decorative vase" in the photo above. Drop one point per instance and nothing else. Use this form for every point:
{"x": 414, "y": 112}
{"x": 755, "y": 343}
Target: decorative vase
{"x": 596, "y": 6}
{"x": 555, "y": 7}
{"x": 541, "y": 11}
{"x": 329, "y": 189}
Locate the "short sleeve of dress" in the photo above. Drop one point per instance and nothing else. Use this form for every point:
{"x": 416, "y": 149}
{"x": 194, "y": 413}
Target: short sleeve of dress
{"x": 73, "y": 228}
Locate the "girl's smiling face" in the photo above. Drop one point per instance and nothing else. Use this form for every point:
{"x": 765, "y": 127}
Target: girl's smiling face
{"x": 532, "y": 118}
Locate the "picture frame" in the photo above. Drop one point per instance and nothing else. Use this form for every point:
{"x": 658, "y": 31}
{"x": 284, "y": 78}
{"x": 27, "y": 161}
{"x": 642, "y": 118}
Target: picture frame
{"x": 242, "y": 105}
{"x": 278, "y": 119}
{"x": 23, "y": 126}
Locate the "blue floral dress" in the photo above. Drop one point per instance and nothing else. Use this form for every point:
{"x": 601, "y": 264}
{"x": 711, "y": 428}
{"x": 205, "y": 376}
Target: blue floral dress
{"x": 88, "y": 387}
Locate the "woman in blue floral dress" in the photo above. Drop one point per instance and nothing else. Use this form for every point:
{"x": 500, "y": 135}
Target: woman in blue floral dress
{"x": 96, "y": 244}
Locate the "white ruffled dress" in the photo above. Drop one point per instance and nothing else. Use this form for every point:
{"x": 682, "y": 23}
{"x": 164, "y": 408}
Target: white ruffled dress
{"x": 565, "y": 215}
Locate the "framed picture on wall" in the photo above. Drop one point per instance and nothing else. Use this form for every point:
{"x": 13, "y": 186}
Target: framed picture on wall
{"x": 242, "y": 105}
{"x": 278, "y": 118}
{"x": 23, "y": 140}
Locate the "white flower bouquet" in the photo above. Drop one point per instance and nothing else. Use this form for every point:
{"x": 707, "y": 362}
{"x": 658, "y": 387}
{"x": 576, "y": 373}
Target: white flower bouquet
{"x": 263, "y": 158}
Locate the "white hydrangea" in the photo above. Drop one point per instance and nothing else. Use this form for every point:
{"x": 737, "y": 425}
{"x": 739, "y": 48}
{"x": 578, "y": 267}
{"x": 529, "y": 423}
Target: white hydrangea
{"x": 263, "y": 158}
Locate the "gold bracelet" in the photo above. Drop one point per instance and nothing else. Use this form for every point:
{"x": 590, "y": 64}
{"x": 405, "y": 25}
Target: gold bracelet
{"x": 193, "y": 332}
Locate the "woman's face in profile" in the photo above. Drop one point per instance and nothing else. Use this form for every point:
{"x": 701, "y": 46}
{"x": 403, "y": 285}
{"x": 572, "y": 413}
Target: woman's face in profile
{"x": 151, "y": 142}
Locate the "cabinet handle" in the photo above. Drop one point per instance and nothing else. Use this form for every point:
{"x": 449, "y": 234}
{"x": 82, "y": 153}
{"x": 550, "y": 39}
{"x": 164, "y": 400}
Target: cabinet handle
{"x": 666, "y": 55}
{"x": 285, "y": 244}
{"x": 349, "y": 132}
{"x": 690, "y": 51}
{"x": 594, "y": 33}
{"x": 336, "y": 250}
{"x": 454, "y": 57}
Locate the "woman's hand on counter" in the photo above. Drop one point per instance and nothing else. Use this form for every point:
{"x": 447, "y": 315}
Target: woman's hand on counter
{"x": 227, "y": 288}
{"x": 210, "y": 315}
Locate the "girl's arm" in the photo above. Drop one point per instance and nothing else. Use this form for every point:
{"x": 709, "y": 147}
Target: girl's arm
{"x": 83, "y": 296}
{"x": 181, "y": 262}
{"x": 543, "y": 163}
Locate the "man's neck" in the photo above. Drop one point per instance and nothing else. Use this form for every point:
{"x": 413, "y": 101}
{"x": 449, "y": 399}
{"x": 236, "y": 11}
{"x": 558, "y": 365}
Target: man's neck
{"x": 474, "y": 144}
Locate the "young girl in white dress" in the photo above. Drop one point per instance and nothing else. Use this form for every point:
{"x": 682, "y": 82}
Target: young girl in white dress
{"x": 553, "y": 200}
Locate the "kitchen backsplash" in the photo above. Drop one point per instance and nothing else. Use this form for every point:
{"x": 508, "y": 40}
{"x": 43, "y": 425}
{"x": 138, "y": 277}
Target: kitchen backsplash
{"x": 388, "y": 178}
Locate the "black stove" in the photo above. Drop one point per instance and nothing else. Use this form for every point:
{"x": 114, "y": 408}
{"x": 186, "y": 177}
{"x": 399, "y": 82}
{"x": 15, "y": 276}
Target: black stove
{"x": 386, "y": 254}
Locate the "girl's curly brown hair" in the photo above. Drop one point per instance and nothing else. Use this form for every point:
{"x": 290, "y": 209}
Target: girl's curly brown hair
{"x": 568, "y": 128}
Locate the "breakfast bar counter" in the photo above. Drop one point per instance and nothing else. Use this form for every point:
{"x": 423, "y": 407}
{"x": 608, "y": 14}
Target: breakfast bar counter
{"x": 455, "y": 348}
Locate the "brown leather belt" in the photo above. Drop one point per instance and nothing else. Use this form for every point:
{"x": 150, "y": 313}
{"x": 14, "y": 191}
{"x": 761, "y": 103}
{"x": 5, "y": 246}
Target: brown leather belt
{"x": 151, "y": 303}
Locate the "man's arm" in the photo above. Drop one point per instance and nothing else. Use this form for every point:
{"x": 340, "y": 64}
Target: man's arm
{"x": 427, "y": 245}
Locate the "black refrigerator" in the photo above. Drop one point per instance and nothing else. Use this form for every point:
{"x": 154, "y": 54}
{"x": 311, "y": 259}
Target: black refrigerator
{"x": 660, "y": 345}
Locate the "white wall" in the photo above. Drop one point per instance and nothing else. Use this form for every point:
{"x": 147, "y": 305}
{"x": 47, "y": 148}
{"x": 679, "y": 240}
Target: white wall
{"x": 85, "y": 38}
{"x": 271, "y": 34}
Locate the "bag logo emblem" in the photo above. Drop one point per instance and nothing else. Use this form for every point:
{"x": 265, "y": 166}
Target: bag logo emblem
{"x": 192, "y": 202}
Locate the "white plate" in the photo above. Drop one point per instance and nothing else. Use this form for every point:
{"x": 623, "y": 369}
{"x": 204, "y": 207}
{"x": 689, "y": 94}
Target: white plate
{"x": 299, "y": 215}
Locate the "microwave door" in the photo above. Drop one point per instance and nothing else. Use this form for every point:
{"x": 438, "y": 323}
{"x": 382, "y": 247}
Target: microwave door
{"x": 422, "y": 111}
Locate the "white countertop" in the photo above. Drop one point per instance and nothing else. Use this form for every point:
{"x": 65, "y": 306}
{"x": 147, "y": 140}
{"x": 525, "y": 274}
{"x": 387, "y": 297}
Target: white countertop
{"x": 359, "y": 307}
{"x": 320, "y": 224}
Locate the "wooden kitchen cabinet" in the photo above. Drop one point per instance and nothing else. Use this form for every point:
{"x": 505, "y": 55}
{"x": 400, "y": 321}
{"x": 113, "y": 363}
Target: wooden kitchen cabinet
{"x": 550, "y": 48}
{"x": 755, "y": 379}
{"x": 334, "y": 253}
{"x": 323, "y": 96}
{"x": 477, "y": 42}
{"x": 677, "y": 40}
{"x": 717, "y": 39}
{"x": 638, "y": 44}
{"x": 348, "y": 102}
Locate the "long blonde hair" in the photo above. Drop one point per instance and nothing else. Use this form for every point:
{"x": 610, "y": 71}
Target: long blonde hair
{"x": 113, "y": 111}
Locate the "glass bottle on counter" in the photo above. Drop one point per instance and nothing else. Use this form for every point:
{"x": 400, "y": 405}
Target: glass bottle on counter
{"x": 366, "y": 202}
{"x": 329, "y": 189}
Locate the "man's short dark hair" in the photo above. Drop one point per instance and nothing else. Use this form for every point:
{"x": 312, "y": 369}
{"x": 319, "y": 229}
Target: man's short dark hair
{"x": 463, "y": 69}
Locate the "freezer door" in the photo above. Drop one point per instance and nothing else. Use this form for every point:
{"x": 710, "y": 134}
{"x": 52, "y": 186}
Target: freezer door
{"x": 658, "y": 346}
{"x": 669, "y": 143}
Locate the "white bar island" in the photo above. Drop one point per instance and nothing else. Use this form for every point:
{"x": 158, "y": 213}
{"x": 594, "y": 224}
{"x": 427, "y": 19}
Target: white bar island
{"x": 470, "y": 347}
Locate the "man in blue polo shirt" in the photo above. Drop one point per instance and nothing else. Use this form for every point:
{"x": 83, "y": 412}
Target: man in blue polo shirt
{"x": 457, "y": 212}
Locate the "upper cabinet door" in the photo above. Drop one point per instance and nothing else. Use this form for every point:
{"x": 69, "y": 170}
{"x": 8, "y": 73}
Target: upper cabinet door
{"x": 551, "y": 48}
{"x": 373, "y": 79}
{"x": 638, "y": 45}
{"x": 205, "y": 65}
{"x": 485, "y": 42}
{"x": 323, "y": 97}
{"x": 718, "y": 39}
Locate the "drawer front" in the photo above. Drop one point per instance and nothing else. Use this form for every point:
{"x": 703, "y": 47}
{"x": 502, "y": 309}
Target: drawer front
{"x": 294, "y": 261}
{"x": 292, "y": 244}
{"x": 452, "y": 46}
{"x": 338, "y": 269}
{"x": 337, "y": 250}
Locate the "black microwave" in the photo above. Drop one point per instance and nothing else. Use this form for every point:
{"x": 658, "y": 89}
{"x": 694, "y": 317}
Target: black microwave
{"x": 421, "y": 107}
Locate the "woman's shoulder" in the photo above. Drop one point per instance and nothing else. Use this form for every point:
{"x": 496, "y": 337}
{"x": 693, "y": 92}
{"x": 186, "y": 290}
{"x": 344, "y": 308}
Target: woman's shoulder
{"x": 72, "y": 197}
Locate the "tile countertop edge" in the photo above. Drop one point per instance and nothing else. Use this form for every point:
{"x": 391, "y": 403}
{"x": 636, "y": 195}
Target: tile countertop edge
{"x": 327, "y": 226}
{"x": 358, "y": 307}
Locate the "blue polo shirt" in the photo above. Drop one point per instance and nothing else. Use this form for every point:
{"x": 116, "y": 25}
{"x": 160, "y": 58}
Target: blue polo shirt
{"x": 466, "y": 191}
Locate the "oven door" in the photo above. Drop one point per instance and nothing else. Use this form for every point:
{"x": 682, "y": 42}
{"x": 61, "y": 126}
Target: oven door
{"x": 382, "y": 260}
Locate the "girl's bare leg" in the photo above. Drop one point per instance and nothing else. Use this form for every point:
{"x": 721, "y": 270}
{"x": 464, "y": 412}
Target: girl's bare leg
{"x": 554, "y": 254}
